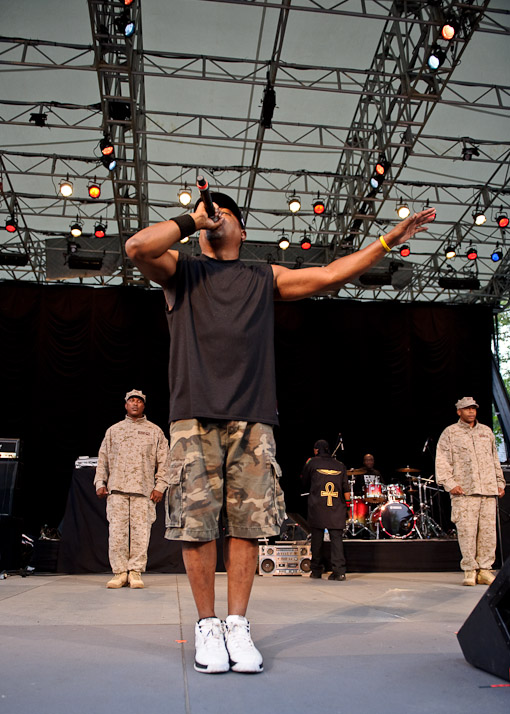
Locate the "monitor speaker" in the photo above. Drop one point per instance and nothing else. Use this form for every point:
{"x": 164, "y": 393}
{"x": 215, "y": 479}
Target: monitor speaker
{"x": 8, "y": 475}
{"x": 485, "y": 636}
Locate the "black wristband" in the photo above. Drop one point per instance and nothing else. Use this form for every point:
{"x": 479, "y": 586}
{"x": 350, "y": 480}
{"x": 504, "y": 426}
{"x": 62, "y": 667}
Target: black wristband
{"x": 186, "y": 225}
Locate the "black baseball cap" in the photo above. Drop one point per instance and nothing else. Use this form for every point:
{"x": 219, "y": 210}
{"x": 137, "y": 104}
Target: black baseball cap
{"x": 225, "y": 201}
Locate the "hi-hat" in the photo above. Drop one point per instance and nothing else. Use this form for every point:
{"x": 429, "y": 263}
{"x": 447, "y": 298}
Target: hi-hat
{"x": 408, "y": 470}
{"x": 355, "y": 472}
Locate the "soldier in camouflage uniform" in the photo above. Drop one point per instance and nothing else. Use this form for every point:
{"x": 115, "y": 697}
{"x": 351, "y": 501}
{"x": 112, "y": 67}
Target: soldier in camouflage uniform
{"x": 223, "y": 402}
{"x": 132, "y": 473}
{"x": 468, "y": 467}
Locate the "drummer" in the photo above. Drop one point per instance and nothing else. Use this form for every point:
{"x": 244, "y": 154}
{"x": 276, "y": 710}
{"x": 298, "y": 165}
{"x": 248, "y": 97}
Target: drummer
{"x": 369, "y": 476}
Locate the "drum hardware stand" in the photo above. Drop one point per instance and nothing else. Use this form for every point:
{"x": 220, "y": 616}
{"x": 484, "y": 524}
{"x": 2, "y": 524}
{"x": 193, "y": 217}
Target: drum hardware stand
{"x": 353, "y": 528}
{"x": 424, "y": 524}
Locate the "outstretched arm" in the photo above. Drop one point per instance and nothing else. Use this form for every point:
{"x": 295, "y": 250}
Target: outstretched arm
{"x": 297, "y": 284}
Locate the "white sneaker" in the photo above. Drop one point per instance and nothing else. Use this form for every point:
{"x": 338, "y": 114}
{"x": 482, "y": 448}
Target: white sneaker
{"x": 211, "y": 655}
{"x": 244, "y": 656}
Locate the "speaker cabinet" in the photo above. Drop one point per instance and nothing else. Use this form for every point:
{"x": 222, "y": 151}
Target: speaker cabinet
{"x": 284, "y": 559}
{"x": 8, "y": 475}
{"x": 485, "y": 636}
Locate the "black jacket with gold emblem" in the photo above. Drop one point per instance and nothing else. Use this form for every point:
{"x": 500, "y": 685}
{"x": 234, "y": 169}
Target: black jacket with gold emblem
{"x": 326, "y": 481}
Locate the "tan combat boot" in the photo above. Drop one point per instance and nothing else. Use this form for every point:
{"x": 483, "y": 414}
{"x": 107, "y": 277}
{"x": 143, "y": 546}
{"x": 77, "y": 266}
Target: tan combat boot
{"x": 469, "y": 577}
{"x": 118, "y": 580}
{"x": 485, "y": 577}
{"x": 135, "y": 579}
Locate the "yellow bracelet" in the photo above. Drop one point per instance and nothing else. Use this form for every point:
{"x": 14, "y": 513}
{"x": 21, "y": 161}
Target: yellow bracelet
{"x": 384, "y": 244}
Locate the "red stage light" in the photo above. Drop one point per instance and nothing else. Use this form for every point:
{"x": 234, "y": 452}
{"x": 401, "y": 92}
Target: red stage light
{"x": 380, "y": 169}
{"x": 94, "y": 190}
{"x": 318, "y": 207}
{"x": 472, "y": 253}
{"x": 11, "y": 224}
{"x": 306, "y": 243}
{"x": 502, "y": 220}
{"x": 99, "y": 231}
{"x": 405, "y": 251}
{"x": 106, "y": 146}
{"x": 448, "y": 31}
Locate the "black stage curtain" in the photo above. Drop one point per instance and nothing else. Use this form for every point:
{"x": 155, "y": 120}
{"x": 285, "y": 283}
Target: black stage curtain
{"x": 385, "y": 375}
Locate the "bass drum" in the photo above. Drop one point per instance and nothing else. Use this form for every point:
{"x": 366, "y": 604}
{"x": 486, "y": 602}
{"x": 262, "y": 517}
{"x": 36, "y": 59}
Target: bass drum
{"x": 394, "y": 518}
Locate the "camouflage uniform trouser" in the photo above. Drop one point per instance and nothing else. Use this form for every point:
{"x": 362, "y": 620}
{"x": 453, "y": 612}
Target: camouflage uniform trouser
{"x": 475, "y": 519}
{"x": 227, "y": 468}
{"x": 130, "y": 517}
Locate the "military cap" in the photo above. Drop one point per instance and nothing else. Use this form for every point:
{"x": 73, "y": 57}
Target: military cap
{"x": 466, "y": 402}
{"x": 136, "y": 393}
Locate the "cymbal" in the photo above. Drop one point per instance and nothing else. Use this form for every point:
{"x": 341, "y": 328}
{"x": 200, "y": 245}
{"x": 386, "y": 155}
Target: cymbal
{"x": 355, "y": 472}
{"x": 409, "y": 470}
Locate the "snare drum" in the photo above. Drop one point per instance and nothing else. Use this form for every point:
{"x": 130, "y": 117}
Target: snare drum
{"x": 395, "y": 518}
{"x": 357, "y": 511}
{"x": 395, "y": 492}
{"x": 374, "y": 493}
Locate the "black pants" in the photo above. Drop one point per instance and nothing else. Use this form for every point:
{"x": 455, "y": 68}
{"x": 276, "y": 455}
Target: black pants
{"x": 337, "y": 550}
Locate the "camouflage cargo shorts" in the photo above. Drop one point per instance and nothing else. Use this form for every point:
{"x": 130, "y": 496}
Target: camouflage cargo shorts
{"x": 227, "y": 469}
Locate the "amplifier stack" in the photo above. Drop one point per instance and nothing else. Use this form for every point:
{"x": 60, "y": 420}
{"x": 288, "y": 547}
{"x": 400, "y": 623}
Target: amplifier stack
{"x": 284, "y": 559}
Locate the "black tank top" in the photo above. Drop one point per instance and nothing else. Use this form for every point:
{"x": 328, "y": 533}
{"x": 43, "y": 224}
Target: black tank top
{"x": 222, "y": 341}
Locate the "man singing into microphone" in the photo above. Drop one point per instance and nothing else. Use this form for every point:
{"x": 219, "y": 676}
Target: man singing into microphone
{"x": 223, "y": 403}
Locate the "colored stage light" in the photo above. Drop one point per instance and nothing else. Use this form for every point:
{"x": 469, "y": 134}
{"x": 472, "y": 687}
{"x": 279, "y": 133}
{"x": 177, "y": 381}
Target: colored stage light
{"x": 106, "y": 146}
{"x": 502, "y": 220}
{"x": 496, "y": 255}
{"x": 125, "y": 24}
{"x": 94, "y": 190}
{"x": 472, "y": 253}
{"x": 99, "y": 230}
{"x": 450, "y": 252}
{"x": 436, "y": 58}
{"x": 318, "y": 207}
{"x": 306, "y": 243}
{"x": 449, "y": 28}
{"x": 405, "y": 250}
{"x": 11, "y": 225}
{"x": 110, "y": 162}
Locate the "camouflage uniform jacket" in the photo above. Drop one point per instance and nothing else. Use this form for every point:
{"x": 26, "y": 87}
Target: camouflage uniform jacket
{"x": 467, "y": 457}
{"x": 133, "y": 458}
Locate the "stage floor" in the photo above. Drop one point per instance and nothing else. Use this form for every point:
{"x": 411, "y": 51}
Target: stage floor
{"x": 378, "y": 642}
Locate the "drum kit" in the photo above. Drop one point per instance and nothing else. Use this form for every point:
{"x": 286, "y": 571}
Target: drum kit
{"x": 387, "y": 510}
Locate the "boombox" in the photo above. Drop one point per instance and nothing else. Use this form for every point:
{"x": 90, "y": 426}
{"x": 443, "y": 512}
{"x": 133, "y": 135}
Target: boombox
{"x": 284, "y": 559}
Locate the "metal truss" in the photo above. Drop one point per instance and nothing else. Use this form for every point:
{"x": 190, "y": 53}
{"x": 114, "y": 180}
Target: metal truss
{"x": 396, "y": 98}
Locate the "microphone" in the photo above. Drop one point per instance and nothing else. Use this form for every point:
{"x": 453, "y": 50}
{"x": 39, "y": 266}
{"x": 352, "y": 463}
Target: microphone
{"x": 341, "y": 441}
{"x": 426, "y": 444}
{"x": 203, "y": 187}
